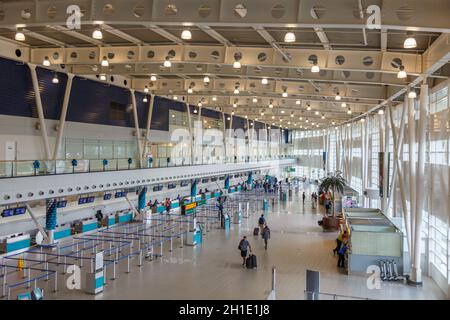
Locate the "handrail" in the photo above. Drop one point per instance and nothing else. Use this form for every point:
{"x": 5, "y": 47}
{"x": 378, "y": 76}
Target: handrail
{"x": 334, "y": 295}
{"x": 26, "y": 168}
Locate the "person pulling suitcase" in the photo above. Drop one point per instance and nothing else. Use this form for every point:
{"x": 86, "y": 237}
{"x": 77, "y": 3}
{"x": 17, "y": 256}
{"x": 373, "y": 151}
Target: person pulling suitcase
{"x": 244, "y": 246}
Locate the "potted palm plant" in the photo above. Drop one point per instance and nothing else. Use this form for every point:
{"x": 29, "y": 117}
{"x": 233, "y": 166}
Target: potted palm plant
{"x": 335, "y": 183}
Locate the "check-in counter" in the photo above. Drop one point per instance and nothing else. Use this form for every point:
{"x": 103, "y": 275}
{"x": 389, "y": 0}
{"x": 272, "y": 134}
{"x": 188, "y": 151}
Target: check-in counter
{"x": 188, "y": 208}
{"x": 86, "y": 225}
{"x": 239, "y": 188}
{"x": 232, "y": 190}
{"x": 124, "y": 216}
{"x": 158, "y": 209}
{"x": 207, "y": 195}
{"x": 175, "y": 204}
{"x": 14, "y": 243}
{"x": 216, "y": 194}
{"x": 62, "y": 232}
{"x": 109, "y": 220}
{"x": 198, "y": 198}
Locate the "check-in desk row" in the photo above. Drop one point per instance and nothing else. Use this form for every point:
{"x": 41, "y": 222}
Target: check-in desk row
{"x": 15, "y": 242}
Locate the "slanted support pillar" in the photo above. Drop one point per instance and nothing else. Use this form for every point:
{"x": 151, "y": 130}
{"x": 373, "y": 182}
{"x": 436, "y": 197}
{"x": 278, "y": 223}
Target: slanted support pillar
{"x": 136, "y": 126}
{"x": 412, "y": 167}
{"x": 191, "y": 137}
{"x": 40, "y": 110}
{"x": 62, "y": 120}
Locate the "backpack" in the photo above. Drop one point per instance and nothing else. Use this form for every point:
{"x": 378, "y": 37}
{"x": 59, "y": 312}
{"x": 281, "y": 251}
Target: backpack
{"x": 343, "y": 249}
{"x": 261, "y": 220}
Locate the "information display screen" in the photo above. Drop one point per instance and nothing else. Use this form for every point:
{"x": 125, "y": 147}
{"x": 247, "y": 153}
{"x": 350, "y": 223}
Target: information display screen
{"x": 19, "y": 210}
{"x": 7, "y": 213}
{"x": 61, "y": 204}
{"x": 107, "y": 196}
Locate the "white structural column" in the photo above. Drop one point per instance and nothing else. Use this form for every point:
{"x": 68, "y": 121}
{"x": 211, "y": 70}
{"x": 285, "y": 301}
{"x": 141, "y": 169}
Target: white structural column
{"x": 385, "y": 163}
{"x": 232, "y": 148}
{"x": 248, "y": 141}
{"x": 62, "y": 120}
{"x": 199, "y": 136}
{"x": 224, "y": 140}
{"x": 416, "y": 272}
{"x": 363, "y": 157}
{"x": 148, "y": 126}
{"x": 366, "y": 161}
{"x": 398, "y": 142}
{"x": 136, "y": 126}
{"x": 191, "y": 137}
{"x": 338, "y": 150}
{"x": 40, "y": 111}
{"x": 350, "y": 154}
{"x": 149, "y": 117}
{"x": 412, "y": 166}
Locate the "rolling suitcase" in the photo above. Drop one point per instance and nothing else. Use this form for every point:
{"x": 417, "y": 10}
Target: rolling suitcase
{"x": 256, "y": 231}
{"x": 250, "y": 263}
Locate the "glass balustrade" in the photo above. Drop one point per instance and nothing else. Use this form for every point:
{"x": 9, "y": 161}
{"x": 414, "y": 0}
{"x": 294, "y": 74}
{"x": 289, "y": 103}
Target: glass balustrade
{"x": 25, "y": 168}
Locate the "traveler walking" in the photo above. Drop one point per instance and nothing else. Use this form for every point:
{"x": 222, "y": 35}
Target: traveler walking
{"x": 341, "y": 252}
{"x": 244, "y": 246}
{"x": 261, "y": 223}
{"x": 303, "y": 197}
{"x": 266, "y": 235}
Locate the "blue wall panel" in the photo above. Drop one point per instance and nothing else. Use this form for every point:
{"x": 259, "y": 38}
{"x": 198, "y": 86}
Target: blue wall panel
{"x": 17, "y": 95}
{"x": 213, "y": 114}
{"x": 52, "y": 95}
{"x": 239, "y": 123}
{"x": 160, "y": 116}
{"x": 90, "y": 102}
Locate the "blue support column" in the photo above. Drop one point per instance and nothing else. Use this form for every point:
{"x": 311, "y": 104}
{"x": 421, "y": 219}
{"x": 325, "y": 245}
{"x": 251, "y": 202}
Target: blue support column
{"x": 227, "y": 182}
{"x": 250, "y": 179}
{"x": 50, "y": 219}
{"x": 193, "y": 187}
{"x": 142, "y": 201}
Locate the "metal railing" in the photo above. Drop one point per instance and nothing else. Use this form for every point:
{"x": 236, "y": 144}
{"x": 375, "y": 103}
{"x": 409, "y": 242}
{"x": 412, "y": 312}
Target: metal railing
{"x": 26, "y": 168}
{"x": 313, "y": 295}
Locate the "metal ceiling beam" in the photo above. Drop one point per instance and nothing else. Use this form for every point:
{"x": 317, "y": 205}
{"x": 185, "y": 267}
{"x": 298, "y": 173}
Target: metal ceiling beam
{"x": 258, "y": 57}
{"x": 122, "y": 34}
{"x": 436, "y": 56}
{"x": 320, "y": 33}
{"x": 231, "y": 76}
{"x": 43, "y": 38}
{"x": 384, "y": 39}
{"x": 217, "y": 36}
{"x": 163, "y": 33}
{"x": 77, "y": 35}
{"x": 266, "y": 35}
{"x": 295, "y": 13}
{"x": 277, "y": 101}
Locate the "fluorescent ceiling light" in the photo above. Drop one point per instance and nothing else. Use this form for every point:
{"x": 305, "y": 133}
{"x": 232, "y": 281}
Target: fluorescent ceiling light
{"x": 20, "y": 36}
{"x": 289, "y": 37}
{"x": 410, "y": 42}
{"x": 186, "y": 35}
{"x": 97, "y": 34}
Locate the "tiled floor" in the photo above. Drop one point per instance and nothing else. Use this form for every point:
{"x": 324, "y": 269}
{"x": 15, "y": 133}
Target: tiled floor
{"x": 213, "y": 270}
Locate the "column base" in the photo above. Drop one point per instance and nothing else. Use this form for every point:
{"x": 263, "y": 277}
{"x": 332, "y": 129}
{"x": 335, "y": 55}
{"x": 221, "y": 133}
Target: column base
{"x": 415, "y": 278}
{"x": 49, "y": 245}
{"x": 414, "y": 283}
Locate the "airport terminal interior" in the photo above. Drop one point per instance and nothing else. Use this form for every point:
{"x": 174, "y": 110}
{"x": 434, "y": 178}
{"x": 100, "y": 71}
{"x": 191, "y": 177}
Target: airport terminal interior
{"x": 224, "y": 150}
